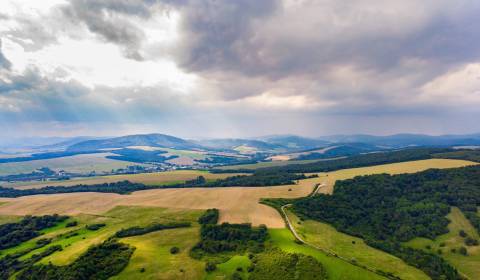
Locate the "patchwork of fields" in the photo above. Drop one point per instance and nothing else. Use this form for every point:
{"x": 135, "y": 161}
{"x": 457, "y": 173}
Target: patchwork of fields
{"x": 75, "y": 164}
{"x": 153, "y": 260}
{"x": 236, "y": 204}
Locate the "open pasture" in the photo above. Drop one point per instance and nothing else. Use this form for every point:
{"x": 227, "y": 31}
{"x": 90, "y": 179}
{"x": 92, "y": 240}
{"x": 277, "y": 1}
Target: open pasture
{"x": 76, "y": 164}
{"x": 352, "y": 248}
{"x": 467, "y": 265}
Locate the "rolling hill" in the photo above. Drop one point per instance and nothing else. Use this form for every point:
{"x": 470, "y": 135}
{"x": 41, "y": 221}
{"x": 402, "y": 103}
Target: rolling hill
{"x": 152, "y": 140}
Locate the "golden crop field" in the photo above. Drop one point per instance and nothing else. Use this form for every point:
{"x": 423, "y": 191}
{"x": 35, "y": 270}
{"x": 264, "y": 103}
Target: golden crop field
{"x": 236, "y": 204}
{"x": 156, "y": 178}
{"x": 392, "y": 168}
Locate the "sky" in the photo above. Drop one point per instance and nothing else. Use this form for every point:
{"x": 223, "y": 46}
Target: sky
{"x": 239, "y": 68}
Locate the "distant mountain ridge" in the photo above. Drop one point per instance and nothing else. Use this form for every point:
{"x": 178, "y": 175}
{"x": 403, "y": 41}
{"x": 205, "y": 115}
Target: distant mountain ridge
{"x": 153, "y": 140}
{"x": 271, "y": 144}
{"x": 406, "y": 140}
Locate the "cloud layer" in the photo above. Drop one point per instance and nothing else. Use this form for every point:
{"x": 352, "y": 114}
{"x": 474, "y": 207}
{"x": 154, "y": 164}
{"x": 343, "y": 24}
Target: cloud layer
{"x": 221, "y": 68}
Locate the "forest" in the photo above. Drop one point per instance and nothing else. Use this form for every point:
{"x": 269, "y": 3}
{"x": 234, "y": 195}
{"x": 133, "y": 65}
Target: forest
{"x": 350, "y": 162}
{"x": 134, "y": 231}
{"x": 29, "y": 227}
{"x": 386, "y": 210}
{"x": 126, "y": 187}
{"x": 99, "y": 262}
{"x": 220, "y": 238}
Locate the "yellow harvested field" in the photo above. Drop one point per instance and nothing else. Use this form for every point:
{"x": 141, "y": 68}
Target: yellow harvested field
{"x": 156, "y": 178}
{"x": 392, "y": 168}
{"x": 237, "y": 205}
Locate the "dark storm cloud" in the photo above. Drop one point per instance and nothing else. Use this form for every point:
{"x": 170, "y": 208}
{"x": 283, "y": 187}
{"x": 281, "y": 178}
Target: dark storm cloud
{"x": 262, "y": 38}
{"x": 109, "y": 20}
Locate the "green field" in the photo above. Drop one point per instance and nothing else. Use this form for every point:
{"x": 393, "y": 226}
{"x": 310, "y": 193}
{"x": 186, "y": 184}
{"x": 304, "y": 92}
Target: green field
{"x": 352, "y": 248}
{"x": 228, "y": 268}
{"x": 75, "y": 164}
{"x": 336, "y": 268}
{"x": 152, "y": 254}
{"x": 115, "y": 219}
{"x": 467, "y": 265}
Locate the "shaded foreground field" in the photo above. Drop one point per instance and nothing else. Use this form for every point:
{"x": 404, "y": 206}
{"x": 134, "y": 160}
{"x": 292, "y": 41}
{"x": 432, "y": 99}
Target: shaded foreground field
{"x": 152, "y": 250}
{"x": 236, "y": 204}
{"x": 152, "y": 258}
{"x": 157, "y": 178}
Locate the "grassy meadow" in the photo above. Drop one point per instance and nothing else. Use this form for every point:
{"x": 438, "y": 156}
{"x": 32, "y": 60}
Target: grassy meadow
{"x": 76, "y": 164}
{"x": 336, "y": 268}
{"x": 352, "y": 248}
{"x": 468, "y": 265}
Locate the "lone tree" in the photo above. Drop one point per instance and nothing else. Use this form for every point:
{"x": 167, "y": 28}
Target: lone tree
{"x": 174, "y": 250}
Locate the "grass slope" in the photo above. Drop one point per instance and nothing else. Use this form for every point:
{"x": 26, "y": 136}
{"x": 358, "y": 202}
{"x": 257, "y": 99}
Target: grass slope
{"x": 153, "y": 255}
{"x": 115, "y": 219}
{"x": 336, "y": 268}
{"x": 353, "y": 248}
{"x": 467, "y": 265}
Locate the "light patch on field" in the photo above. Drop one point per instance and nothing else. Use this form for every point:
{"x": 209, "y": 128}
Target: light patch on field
{"x": 144, "y": 148}
{"x": 157, "y": 178}
{"x": 75, "y": 164}
{"x": 264, "y": 164}
{"x": 244, "y": 149}
{"x": 182, "y": 161}
{"x": 392, "y": 168}
{"x": 279, "y": 158}
{"x": 296, "y": 155}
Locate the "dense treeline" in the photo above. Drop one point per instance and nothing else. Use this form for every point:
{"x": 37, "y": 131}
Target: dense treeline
{"x": 279, "y": 265}
{"x": 133, "y": 231}
{"x": 12, "y": 234}
{"x": 258, "y": 179}
{"x": 11, "y": 264}
{"x": 210, "y": 216}
{"x": 122, "y": 187}
{"x": 386, "y": 210}
{"x": 350, "y": 162}
{"x": 472, "y": 155}
{"x": 215, "y": 239}
{"x": 100, "y": 262}
{"x": 126, "y": 187}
